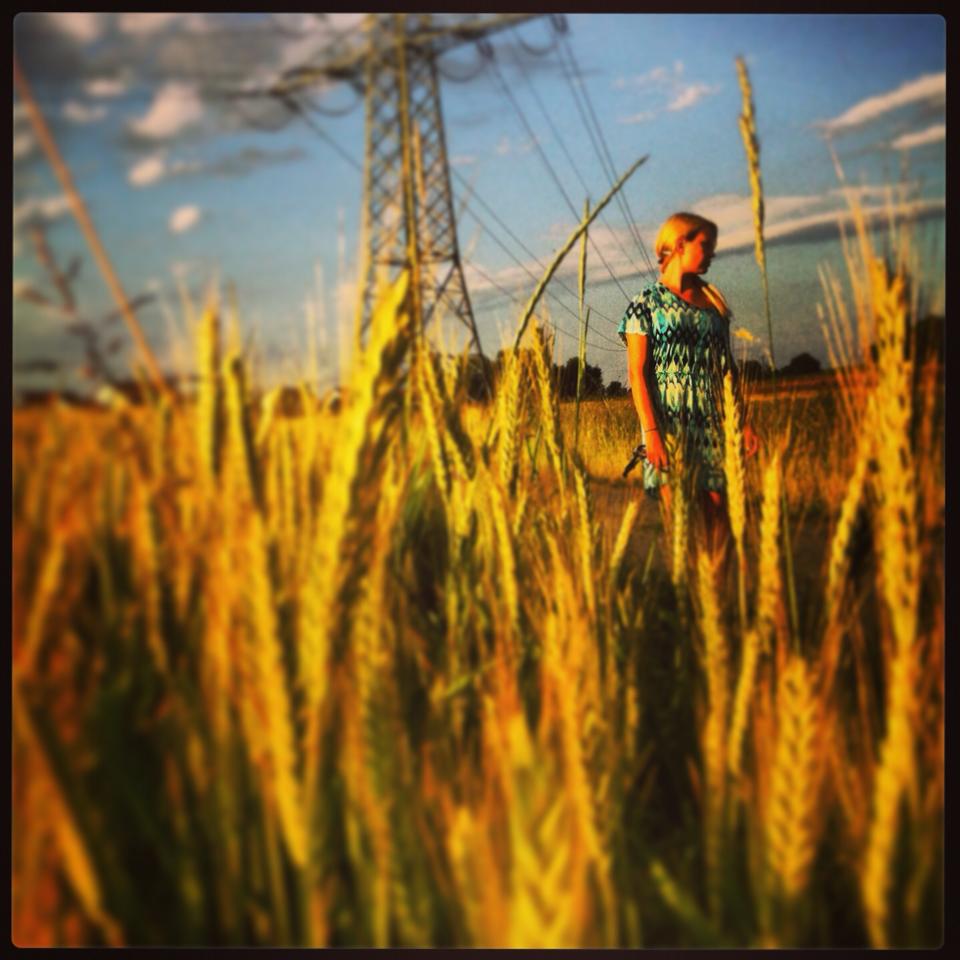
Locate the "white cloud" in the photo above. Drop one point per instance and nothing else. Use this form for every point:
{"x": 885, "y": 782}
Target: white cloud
{"x": 643, "y": 117}
{"x": 663, "y": 88}
{"x": 175, "y": 107}
{"x": 82, "y": 27}
{"x": 920, "y": 138}
{"x": 463, "y": 160}
{"x": 813, "y": 214}
{"x": 145, "y": 24}
{"x": 184, "y": 218}
{"x": 786, "y": 215}
{"x": 200, "y": 23}
{"x": 931, "y": 86}
{"x": 23, "y": 144}
{"x": 733, "y": 213}
{"x": 656, "y": 77}
{"x": 312, "y": 35}
{"x": 105, "y": 87}
{"x": 156, "y": 167}
{"x": 45, "y": 209}
{"x": 77, "y": 112}
{"x": 506, "y": 147}
{"x": 147, "y": 171}
{"x": 691, "y": 94}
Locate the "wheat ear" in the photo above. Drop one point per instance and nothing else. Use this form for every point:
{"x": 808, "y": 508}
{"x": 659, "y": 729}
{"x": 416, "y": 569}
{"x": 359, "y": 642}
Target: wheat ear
{"x": 716, "y": 657}
{"x": 791, "y": 824}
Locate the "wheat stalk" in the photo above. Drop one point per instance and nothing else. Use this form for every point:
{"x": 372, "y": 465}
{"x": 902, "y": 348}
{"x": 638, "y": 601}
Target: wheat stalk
{"x": 894, "y": 773}
{"x": 736, "y": 494}
{"x": 748, "y": 131}
{"x": 620, "y": 543}
{"x": 509, "y": 401}
{"x": 771, "y": 582}
{"x": 791, "y": 822}
{"x": 327, "y": 569}
{"x": 209, "y": 393}
{"x": 716, "y": 657}
{"x": 269, "y": 676}
{"x": 585, "y": 535}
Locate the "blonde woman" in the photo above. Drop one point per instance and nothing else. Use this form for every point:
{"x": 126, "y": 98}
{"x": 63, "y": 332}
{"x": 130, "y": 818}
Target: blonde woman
{"x": 677, "y": 332}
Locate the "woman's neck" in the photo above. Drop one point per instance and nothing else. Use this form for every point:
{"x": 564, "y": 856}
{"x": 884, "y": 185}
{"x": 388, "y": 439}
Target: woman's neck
{"x": 677, "y": 281}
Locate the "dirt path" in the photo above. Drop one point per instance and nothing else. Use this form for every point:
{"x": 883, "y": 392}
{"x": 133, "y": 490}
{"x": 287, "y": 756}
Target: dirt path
{"x": 809, "y": 541}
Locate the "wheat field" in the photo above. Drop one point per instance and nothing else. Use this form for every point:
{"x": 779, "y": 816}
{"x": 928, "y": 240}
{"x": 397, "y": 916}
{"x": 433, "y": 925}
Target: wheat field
{"x": 417, "y": 672}
{"x": 421, "y": 672}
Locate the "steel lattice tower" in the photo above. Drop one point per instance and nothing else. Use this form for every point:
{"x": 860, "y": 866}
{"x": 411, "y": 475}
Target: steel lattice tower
{"x": 408, "y": 215}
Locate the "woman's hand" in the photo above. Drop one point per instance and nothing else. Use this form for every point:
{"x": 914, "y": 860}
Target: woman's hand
{"x": 656, "y": 451}
{"x": 751, "y": 442}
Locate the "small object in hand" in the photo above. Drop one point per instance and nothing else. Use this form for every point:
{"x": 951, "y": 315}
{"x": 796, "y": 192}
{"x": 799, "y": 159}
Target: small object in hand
{"x": 639, "y": 453}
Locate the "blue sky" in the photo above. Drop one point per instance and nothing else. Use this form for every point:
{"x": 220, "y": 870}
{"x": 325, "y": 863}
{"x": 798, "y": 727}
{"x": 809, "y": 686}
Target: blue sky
{"x": 184, "y": 191}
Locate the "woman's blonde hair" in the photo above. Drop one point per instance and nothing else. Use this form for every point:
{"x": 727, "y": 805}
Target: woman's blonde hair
{"x": 686, "y": 225}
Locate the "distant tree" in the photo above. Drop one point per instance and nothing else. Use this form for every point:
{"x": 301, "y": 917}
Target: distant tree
{"x": 801, "y": 364}
{"x": 566, "y": 380}
{"x": 616, "y": 389}
{"x": 753, "y": 370}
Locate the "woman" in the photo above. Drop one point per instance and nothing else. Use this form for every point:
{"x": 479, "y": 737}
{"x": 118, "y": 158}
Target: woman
{"x": 677, "y": 332}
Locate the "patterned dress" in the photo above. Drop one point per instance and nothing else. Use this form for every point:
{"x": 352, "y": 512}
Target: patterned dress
{"x": 691, "y": 354}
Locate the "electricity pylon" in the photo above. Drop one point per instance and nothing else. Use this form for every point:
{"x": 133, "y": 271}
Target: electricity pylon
{"x": 408, "y": 215}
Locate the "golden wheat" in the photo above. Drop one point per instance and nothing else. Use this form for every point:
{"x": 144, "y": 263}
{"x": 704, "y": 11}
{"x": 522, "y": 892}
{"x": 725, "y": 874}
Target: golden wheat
{"x": 791, "y": 822}
{"x": 716, "y": 657}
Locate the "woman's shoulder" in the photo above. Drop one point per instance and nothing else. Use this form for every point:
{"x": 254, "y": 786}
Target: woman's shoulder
{"x": 649, "y": 294}
{"x": 713, "y": 295}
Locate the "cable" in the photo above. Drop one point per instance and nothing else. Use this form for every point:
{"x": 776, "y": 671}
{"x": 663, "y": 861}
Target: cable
{"x": 553, "y": 172}
{"x": 537, "y": 52}
{"x": 481, "y": 64}
{"x": 534, "y": 278}
{"x": 566, "y": 153}
{"x": 295, "y": 107}
{"x": 551, "y": 321}
{"x": 579, "y": 91}
{"x": 618, "y": 347}
{"x": 330, "y": 111}
{"x": 519, "y": 243}
{"x": 609, "y": 167}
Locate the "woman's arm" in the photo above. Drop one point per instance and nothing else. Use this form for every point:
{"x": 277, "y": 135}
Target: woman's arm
{"x": 637, "y": 363}
{"x": 637, "y": 353}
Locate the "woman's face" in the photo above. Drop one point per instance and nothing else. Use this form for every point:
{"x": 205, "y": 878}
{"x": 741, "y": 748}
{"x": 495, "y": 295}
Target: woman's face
{"x": 697, "y": 253}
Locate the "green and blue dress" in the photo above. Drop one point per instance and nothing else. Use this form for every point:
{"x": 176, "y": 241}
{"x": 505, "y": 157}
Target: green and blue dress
{"x": 690, "y": 349}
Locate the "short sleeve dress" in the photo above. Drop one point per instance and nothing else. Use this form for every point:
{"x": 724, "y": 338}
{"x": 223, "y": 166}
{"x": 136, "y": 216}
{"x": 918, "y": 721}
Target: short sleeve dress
{"x": 691, "y": 354}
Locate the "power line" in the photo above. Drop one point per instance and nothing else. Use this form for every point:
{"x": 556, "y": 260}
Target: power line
{"x": 533, "y": 276}
{"x": 579, "y": 88}
{"x": 295, "y": 107}
{"x": 566, "y": 152}
{"x": 328, "y": 139}
{"x": 486, "y": 276}
{"x": 521, "y": 244}
{"x": 589, "y": 119}
{"x": 552, "y": 172}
